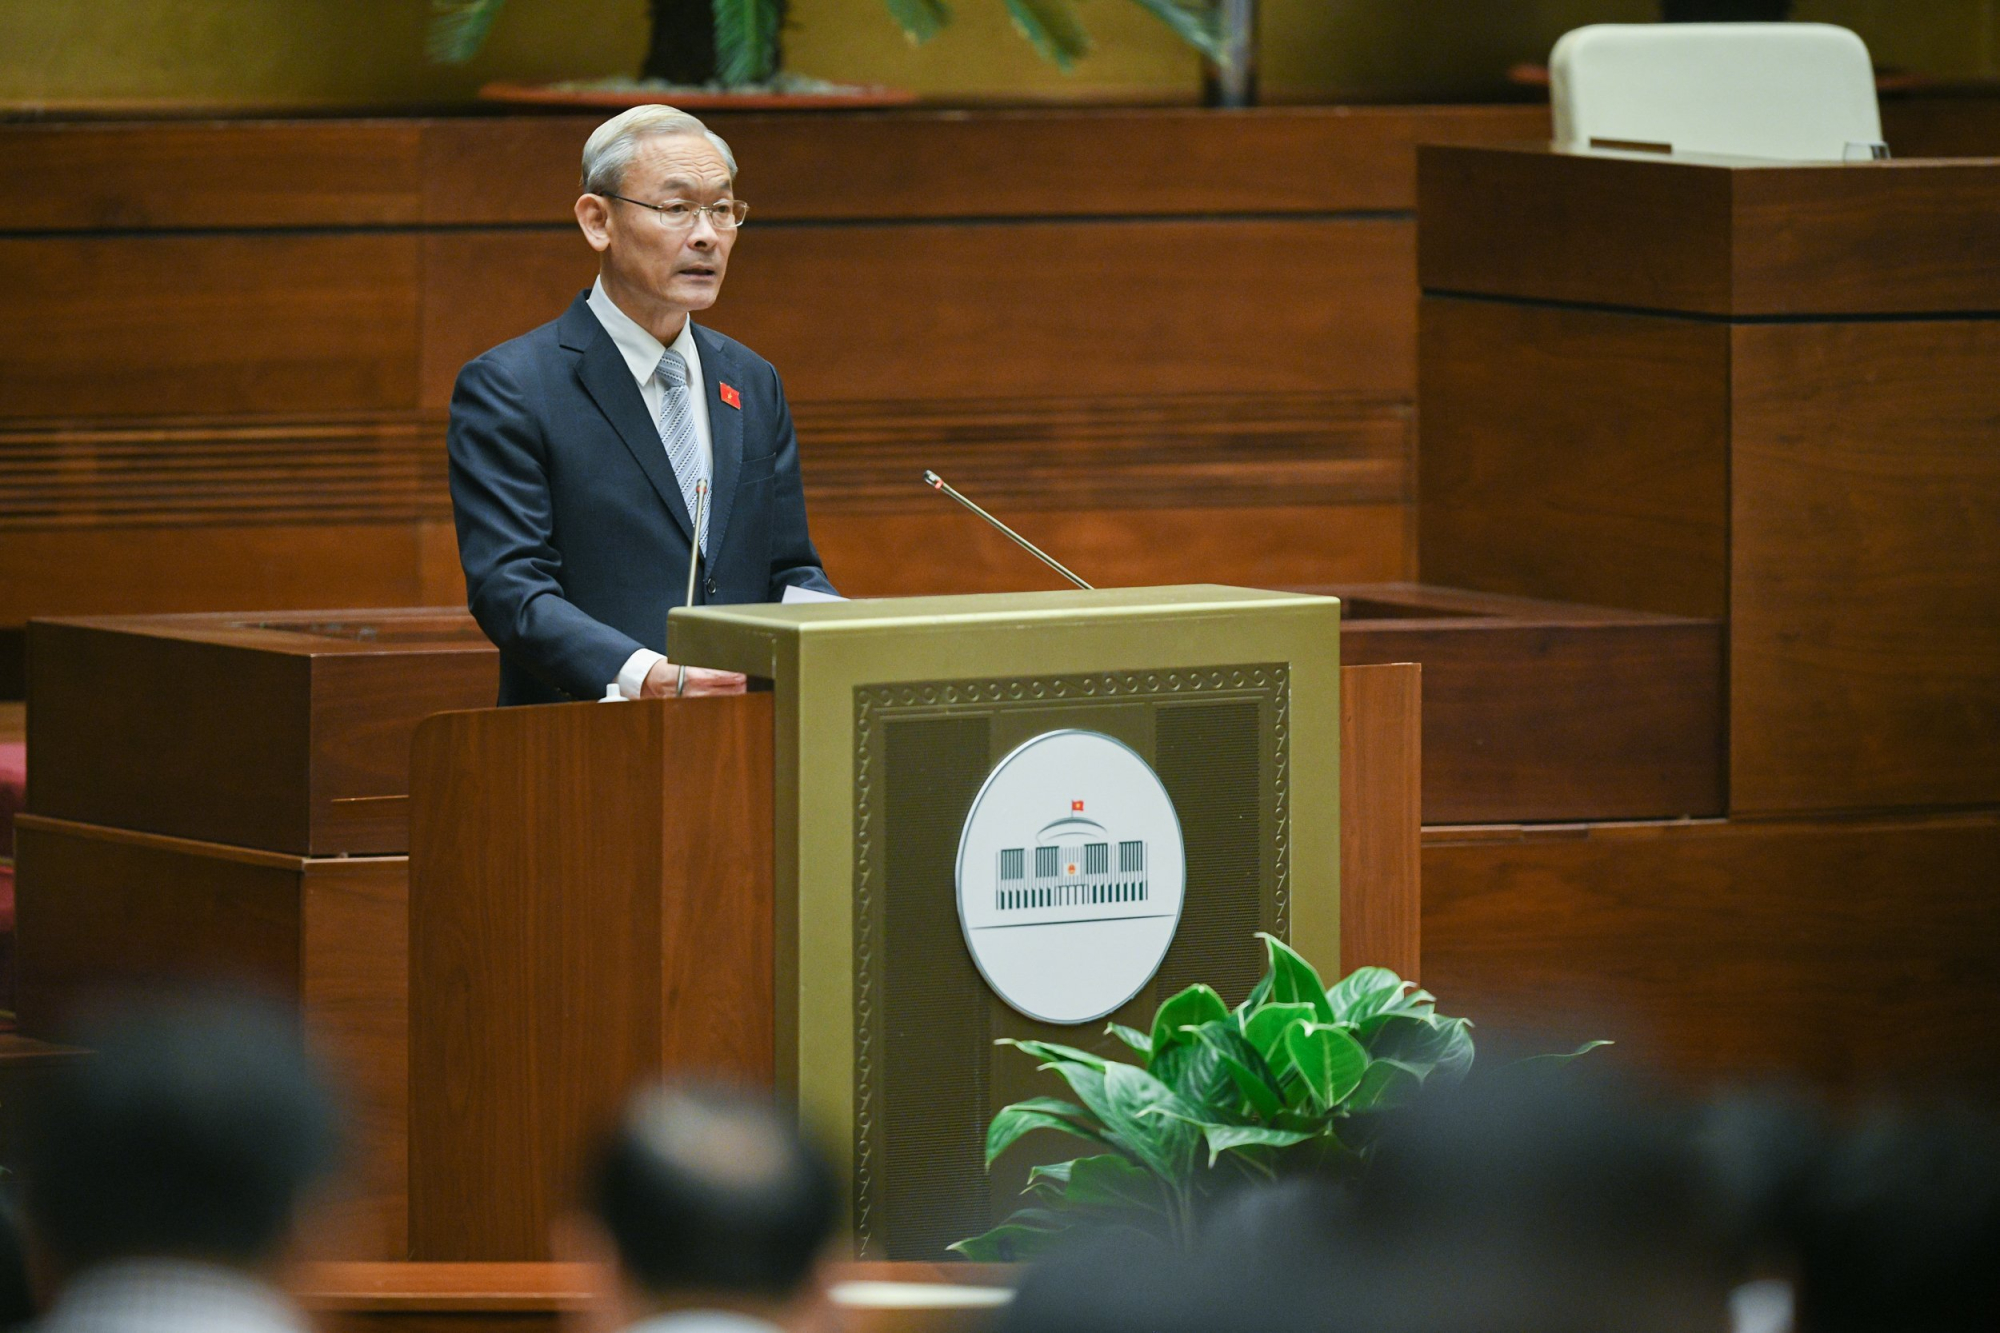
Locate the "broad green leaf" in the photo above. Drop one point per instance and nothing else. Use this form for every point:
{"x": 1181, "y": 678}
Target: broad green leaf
{"x": 1194, "y": 1006}
{"x": 1194, "y": 21}
{"x": 746, "y": 41}
{"x": 1260, "y": 995}
{"x": 1221, "y": 1138}
{"x": 1385, "y": 1084}
{"x": 1293, "y": 980}
{"x": 920, "y": 20}
{"x": 1048, "y": 1180}
{"x": 1036, "y": 1113}
{"x": 1053, "y": 28}
{"x": 1364, "y": 992}
{"x": 1132, "y": 1037}
{"x": 1330, "y": 1061}
{"x": 1146, "y": 1116}
{"x": 1194, "y": 1071}
{"x": 1563, "y": 1057}
{"x": 1245, "y": 1066}
{"x": 1435, "y": 1047}
{"x": 1111, "y": 1183}
{"x": 1026, "y": 1234}
{"x": 1265, "y": 1030}
{"x": 1054, "y": 1054}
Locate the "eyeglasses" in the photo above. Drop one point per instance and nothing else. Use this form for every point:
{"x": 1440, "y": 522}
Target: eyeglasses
{"x": 680, "y": 214}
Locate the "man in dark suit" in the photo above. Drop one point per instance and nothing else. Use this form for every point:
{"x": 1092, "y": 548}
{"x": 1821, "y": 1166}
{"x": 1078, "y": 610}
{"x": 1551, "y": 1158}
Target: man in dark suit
{"x": 581, "y": 452}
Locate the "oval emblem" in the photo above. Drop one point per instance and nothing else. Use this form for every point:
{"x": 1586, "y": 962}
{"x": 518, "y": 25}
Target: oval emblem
{"x": 1071, "y": 873}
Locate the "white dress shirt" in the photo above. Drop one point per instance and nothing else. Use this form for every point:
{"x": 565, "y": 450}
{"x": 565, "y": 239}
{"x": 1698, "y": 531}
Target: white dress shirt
{"x": 169, "y": 1296}
{"x": 642, "y": 352}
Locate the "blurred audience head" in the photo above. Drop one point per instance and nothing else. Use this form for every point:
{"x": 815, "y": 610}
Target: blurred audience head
{"x": 193, "y": 1131}
{"x": 1900, "y": 1228}
{"x": 713, "y": 1200}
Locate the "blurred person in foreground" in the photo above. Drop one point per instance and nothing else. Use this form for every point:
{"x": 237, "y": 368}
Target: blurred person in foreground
{"x": 718, "y": 1214}
{"x": 164, "y": 1174}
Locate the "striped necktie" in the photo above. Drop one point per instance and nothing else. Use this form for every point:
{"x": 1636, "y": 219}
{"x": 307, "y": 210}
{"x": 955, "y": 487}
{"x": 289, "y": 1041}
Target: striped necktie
{"x": 677, "y": 431}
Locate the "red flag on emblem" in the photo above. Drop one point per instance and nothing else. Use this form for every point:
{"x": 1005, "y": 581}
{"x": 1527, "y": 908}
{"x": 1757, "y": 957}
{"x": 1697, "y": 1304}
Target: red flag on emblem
{"x": 1076, "y": 807}
{"x": 730, "y": 396}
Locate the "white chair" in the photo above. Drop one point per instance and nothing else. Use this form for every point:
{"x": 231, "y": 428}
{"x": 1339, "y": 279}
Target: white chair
{"x": 1796, "y": 92}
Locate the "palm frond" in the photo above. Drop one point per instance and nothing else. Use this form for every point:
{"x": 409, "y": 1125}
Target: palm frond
{"x": 1197, "y": 22}
{"x": 746, "y": 41}
{"x": 1053, "y": 28}
{"x": 458, "y": 29}
{"x": 920, "y": 20}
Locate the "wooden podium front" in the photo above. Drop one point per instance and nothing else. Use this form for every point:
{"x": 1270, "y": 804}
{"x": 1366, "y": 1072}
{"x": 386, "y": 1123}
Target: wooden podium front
{"x": 760, "y": 888}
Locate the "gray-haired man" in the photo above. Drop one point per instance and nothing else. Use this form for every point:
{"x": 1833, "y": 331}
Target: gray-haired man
{"x": 581, "y": 452}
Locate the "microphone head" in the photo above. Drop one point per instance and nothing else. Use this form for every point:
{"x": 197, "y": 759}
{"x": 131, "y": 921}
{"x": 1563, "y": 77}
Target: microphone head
{"x": 936, "y": 482}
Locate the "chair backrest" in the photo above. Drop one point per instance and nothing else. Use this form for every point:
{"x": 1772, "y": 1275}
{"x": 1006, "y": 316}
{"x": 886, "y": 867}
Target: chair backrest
{"x": 1793, "y": 91}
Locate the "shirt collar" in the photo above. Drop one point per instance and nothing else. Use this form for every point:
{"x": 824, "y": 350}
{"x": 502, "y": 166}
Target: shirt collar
{"x": 640, "y": 348}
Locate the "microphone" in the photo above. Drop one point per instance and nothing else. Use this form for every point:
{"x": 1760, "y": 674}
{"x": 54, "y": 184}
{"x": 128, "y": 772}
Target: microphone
{"x": 694, "y": 559}
{"x": 940, "y": 485}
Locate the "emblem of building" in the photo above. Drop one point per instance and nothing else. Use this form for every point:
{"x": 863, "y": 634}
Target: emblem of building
{"x": 1069, "y": 917}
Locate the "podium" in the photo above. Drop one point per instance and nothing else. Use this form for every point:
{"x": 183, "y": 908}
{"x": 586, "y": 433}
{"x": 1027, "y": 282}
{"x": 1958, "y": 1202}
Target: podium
{"x": 1760, "y": 392}
{"x": 790, "y": 888}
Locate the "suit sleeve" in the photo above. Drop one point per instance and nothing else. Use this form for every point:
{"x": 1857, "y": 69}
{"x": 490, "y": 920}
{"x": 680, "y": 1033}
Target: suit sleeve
{"x": 506, "y": 538}
{"x": 794, "y": 561}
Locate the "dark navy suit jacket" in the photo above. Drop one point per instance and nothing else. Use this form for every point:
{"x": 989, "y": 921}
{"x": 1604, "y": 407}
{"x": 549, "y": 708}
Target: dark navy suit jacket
{"x": 571, "y": 526}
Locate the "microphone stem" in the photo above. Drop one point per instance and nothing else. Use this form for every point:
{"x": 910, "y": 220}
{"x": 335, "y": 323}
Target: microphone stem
{"x": 694, "y": 560}
{"x": 946, "y": 487}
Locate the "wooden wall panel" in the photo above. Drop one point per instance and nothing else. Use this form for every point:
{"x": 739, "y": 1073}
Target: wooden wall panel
{"x": 1381, "y": 798}
{"x": 150, "y": 325}
{"x": 1851, "y": 956}
{"x": 1865, "y": 630}
{"x": 984, "y": 310}
{"x": 898, "y": 555}
{"x": 1579, "y": 455}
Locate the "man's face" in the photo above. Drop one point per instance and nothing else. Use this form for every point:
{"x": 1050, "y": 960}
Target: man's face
{"x": 681, "y": 269}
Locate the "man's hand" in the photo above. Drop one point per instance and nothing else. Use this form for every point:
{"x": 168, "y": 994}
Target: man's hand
{"x": 660, "y": 681}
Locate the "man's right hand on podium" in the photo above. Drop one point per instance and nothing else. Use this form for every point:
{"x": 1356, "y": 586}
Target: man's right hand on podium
{"x": 660, "y": 680}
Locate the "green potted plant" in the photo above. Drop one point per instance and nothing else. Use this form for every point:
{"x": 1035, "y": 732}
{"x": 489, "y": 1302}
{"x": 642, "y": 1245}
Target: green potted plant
{"x": 734, "y": 45}
{"x": 1294, "y": 1079}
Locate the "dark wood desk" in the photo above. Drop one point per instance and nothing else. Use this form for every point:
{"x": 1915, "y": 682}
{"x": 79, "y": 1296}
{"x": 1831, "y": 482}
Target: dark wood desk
{"x": 1755, "y": 391}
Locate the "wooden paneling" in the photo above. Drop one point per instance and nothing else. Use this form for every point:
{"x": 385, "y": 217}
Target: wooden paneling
{"x": 1746, "y": 238}
{"x": 1865, "y": 569}
{"x": 148, "y": 325}
{"x": 1381, "y": 771}
{"x": 1054, "y": 161}
{"x": 948, "y": 551}
{"x": 1953, "y": 123}
{"x": 140, "y": 722}
{"x": 99, "y": 908}
{"x": 1551, "y": 711}
{"x": 642, "y": 900}
{"x": 1579, "y": 455}
{"x": 985, "y": 310}
{"x": 1851, "y": 956}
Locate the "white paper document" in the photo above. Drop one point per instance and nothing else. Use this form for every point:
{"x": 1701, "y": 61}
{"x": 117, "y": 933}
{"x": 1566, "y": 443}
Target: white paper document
{"x": 794, "y": 593}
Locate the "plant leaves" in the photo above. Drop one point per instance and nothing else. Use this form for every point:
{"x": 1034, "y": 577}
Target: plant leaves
{"x": 1027, "y": 1233}
{"x": 1191, "y": 1008}
{"x": 1330, "y": 1061}
{"x": 746, "y": 41}
{"x": 1132, "y": 1037}
{"x": 1053, "y": 1054}
{"x": 1246, "y": 1068}
{"x": 1293, "y": 980}
{"x": 1048, "y": 1180}
{"x": 920, "y": 20}
{"x": 1265, "y": 1030}
{"x": 458, "y": 29}
{"x": 1194, "y": 1071}
{"x": 1150, "y": 1119}
{"x": 1260, "y": 995}
{"x": 1196, "y": 22}
{"x": 1222, "y": 1138}
{"x": 1385, "y": 1084}
{"x": 1113, "y": 1184}
{"x": 1011, "y": 1122}
{"x": 1363, "y": 993}
{"x": 1053, "y": 28}
{"x": 1562, "y": 1057}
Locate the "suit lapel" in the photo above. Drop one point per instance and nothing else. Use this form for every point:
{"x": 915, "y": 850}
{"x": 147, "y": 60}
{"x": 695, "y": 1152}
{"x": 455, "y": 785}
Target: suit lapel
{"x": 610, "y": 384}
{"x": 725, "y": 434}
